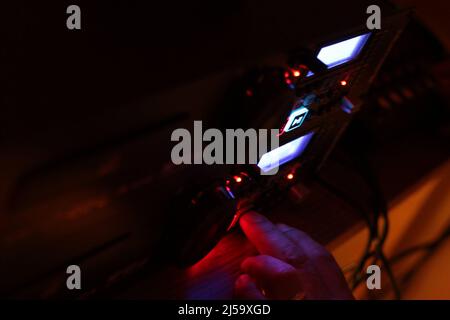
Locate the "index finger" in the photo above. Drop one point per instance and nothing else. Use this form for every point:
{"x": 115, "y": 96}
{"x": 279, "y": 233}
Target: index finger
{"x": 269, "y": 240}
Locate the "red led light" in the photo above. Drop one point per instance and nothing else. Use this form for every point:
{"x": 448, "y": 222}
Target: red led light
{"x": 237, "y": 179}
{"x": 290, "y": 176}
{"x": 343, "y": 83}
{"x": 249, "y": 93}
{"x": 296, "y": 73}
{"x": 286, "y": 74}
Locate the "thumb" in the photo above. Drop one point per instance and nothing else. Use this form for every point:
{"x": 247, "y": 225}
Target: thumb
{"x": 245, "y": 288}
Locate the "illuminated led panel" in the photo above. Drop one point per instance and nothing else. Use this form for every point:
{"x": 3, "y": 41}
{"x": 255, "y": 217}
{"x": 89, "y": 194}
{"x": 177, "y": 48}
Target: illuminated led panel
{"x": 285, "y": 153}
{"x": 296, "y": 119}
{"x": 342, "y": 52}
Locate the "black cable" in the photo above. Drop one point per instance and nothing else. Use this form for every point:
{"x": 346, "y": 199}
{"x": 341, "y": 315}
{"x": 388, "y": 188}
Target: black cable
{"x": 427, "y": 246}
{"x": 380, "y": 210}
{"x": 380, "y": 206}
{"x": 372, "y": 226}
{"x": 382, "y": 257}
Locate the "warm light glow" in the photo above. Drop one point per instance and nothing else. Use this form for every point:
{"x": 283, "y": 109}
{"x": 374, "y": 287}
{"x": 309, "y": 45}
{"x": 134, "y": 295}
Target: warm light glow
{"x": 296, "y": 73}
{"x": 237, "y": 179}
{"x": 290, "y": 176}
{"x": 343, "y": 83}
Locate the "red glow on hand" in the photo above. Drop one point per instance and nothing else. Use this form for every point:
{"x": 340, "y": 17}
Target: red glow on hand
{"x": 233, "y": 222}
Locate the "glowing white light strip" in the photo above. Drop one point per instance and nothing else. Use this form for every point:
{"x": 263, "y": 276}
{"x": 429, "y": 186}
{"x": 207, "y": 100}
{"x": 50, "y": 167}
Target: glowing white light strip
{"x": 342, "y": 52}
{"x": 285, "y": 153}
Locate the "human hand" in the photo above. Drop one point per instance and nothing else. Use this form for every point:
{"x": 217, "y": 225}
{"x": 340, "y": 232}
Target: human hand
{"x": 290, "y": 266}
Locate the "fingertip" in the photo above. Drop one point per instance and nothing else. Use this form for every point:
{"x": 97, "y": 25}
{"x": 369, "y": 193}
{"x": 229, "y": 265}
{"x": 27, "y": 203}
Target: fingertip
{"x": 246, "y": 288}
{"x": 256, "y": 226}
{"x": 250, "y": 218}
{"x": 242, "y": 281}
{"x": 245, "y": 264}
{"x": 266, "y": 237}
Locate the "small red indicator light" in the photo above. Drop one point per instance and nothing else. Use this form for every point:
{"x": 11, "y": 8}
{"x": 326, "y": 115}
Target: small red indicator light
{"x": 249, "y": 93}
{"x": 237, "y": 179}
{"x": 343, "y": 83}
{"x": 290, "y": 176}
{"x": 296, "y": 73}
